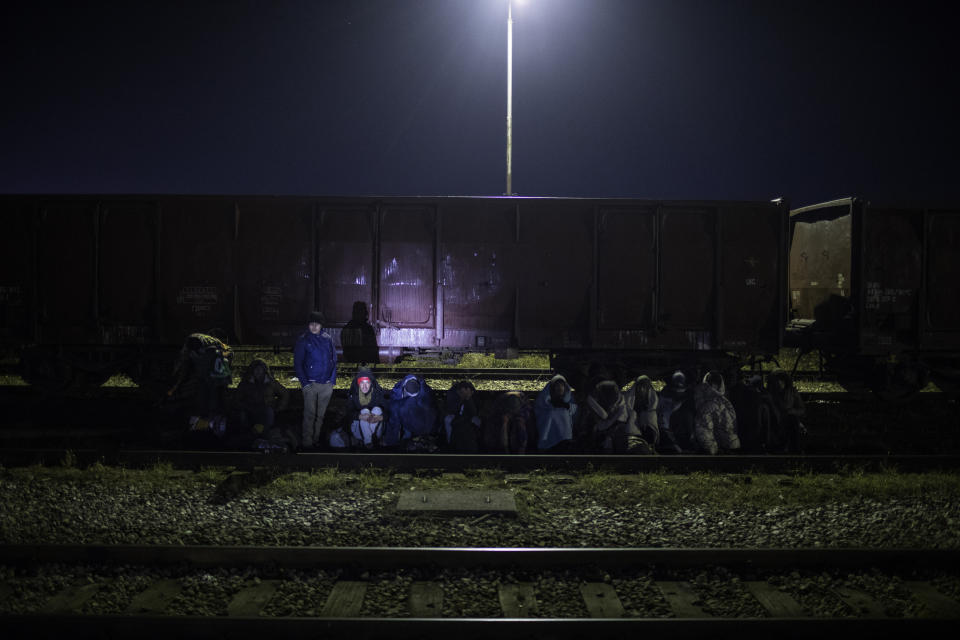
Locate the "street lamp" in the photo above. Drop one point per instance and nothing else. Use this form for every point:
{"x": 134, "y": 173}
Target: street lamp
{"x": 509, "y": 97}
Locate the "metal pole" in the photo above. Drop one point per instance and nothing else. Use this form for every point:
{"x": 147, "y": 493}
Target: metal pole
{"x": 509, "y": 95}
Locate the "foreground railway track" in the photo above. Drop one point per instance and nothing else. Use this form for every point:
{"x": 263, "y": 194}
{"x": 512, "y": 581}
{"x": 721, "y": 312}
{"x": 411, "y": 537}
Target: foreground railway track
{"x": 410, "y": 462}
{"x": 442, "y": 462}
{"x": 434, "y": 592}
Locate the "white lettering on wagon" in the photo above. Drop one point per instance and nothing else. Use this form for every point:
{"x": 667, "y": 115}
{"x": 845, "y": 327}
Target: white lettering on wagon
{"x": 10, "y": 294}
{"x": 877, "y": 295}
{"x": 200, "y": 299}
{"x": 270, "y": 296}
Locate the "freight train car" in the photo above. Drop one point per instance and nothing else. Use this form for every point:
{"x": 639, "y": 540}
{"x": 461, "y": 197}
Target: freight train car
{"x": 877, "y": 290}
{"x": 92, "y": 285}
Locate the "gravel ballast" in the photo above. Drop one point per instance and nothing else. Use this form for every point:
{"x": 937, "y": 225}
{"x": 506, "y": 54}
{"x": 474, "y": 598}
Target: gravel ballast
{"x": 45, "y": 508}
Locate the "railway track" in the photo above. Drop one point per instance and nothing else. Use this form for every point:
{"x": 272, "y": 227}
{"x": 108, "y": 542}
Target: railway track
{"x": 104, "y": 591}
{"x": 441, "y": 462}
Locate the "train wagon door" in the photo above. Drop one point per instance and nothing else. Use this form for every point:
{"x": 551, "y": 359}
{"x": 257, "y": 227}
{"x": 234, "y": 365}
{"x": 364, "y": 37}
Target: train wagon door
{"x": 753, "y": 296}
{"x": 66, "y": 270}
{"x": 687, "y": 278}
{"x": 477, "y": 272}
{"x": 407, "y": 257}
{"x": 556, "y": 243}
{"x": 275, "y": 269}
{"x": 942, "y": 321}
{"x": 821, "y": 262}
{"x": 346, "y": 260}
{"x": 127, "y": 272}
{"x": 892, "y": 276}
{"x": 17, "y": 289}
{"x": 196, "y": 266}
{"x": 627, "y": 269}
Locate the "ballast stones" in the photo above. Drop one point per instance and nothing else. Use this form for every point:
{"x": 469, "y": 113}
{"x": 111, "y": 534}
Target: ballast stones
{"x": 458, "y": 503}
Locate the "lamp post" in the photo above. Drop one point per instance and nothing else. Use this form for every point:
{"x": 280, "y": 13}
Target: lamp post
{"x": 509, "y": 97}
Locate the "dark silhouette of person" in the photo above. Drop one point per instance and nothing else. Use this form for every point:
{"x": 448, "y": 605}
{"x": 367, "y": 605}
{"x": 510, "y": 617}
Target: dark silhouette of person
{"x": 358, "y": 338}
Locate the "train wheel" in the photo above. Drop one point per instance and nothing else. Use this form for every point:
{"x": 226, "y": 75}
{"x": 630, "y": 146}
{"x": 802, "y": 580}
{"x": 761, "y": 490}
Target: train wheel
{"x": 899, "y": 381}
{"x": 54, "y": 373}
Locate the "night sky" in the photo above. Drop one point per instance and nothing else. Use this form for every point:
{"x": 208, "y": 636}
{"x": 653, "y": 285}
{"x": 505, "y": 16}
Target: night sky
{"x": 677, "y": 99}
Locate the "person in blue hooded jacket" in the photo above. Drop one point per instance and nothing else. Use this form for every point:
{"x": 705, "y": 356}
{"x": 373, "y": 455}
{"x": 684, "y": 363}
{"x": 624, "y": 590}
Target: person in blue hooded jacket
{"x": 315, "y": 364}
{"x": 413, "y": 416}
{"x": 555, "y": 410}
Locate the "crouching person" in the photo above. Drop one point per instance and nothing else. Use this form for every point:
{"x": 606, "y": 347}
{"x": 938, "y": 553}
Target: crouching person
{"x": 412, "y": 423}
{"x": 461, "y": 421}
{"x": 506, "y": 429}
{"x": 260, "y": 396}
{"x": 642, "y": 398}
{"x": 201, "y": 376}
{"x": 609, "y": 425}
{"x": 555, "y": 411}
{"x": 715, "y": 424}
{"x": 676, "y": 416}
{"x": 755, "y": 415}
{"x": 789, "y": 409}
{"x": 365, "y": 414}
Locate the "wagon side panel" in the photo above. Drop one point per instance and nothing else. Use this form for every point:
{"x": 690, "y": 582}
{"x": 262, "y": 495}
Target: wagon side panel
{"x": 752, "y": 287}
{"x": 477, "y": 273}
{"x": 17, "y": 293}
{"x": 127, "y": 272}
{"x": 66, "y": 272}
{"x": 556, "y": 273}
{"x": 196, "y": 266}
{"x": 275, "y": 269}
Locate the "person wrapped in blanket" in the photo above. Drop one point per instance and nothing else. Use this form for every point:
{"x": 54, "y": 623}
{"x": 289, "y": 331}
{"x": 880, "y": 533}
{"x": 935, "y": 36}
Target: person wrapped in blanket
{"x": 412, "y": 420}
{"x": 715, "y": 421}
{"x": 555, "y": 411}
{"x": 461, "y": 420}
{"x": 608, "y": 425}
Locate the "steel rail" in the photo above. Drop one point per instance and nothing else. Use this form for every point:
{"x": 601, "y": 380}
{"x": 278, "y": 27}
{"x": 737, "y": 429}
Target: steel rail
{"x": 257, "y": 628}
{"x": 660, "y": 559}
{"x": 416, "y": 462}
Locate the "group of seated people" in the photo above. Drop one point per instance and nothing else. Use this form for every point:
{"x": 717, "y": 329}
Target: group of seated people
{"x": 702, "y": 418}
{"x": 680, "y": 419}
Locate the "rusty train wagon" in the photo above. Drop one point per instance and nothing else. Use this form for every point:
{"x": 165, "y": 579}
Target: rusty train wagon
{"x": 877, "y": 290}
{"x": 92, "y": 285}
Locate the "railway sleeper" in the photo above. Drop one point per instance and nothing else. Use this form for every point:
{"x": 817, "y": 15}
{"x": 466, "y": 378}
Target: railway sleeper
{"x": 681, "y": 599}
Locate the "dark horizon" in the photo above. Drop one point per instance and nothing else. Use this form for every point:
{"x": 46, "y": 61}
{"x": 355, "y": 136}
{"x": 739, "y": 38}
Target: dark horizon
{"x": 683, "y": 100}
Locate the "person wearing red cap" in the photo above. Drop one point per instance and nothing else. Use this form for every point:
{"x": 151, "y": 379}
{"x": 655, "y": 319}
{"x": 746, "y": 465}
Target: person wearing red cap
{"x": 365, "y": 413}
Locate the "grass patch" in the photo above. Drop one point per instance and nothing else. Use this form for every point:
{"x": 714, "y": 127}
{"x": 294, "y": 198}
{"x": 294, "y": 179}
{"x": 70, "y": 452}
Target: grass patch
{"x": 761, "y": 491}
{"x": 301, "y": 483}
{"x": 490, "y": 361}
{"x": 657, "y": 489}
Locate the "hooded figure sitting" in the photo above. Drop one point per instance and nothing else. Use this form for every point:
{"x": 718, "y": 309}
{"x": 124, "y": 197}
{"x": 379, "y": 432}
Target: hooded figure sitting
{"x": 412, "y": 422}
{"x": 461, "y": 421}
{"x": 643, "y": 399}
{"x": 609, "y": 425}
{"x": 715, "y": 425}
{"x": 555, "y": 411}
{"x": 507, "y": 425}
{"x": 365, "y": 413}
{"x": 260, "y": 396}
{"x": 675, "y": 416}
{"x": 789, "y": 408}
{"x": 755, "y": 415}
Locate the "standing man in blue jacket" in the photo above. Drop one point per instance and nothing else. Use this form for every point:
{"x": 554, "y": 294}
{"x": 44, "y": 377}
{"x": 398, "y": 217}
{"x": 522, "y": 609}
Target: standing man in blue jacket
{"x": 315, "y": 363}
